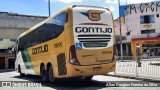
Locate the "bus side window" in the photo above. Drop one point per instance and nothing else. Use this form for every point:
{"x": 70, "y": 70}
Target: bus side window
{"x": 50, "y": 29}
{"x": 60, "y": 22}
{"x": 20, "y": 44}
{"x": 55, "y": 26}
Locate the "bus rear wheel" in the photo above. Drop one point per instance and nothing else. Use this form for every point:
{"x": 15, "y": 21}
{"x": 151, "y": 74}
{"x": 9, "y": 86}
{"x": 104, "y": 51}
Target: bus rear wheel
{"x": 43, "y": 73}
{"x": 50, "y": 74}
{"x": 88, "y": 78}
{"x": 20, "y": 72}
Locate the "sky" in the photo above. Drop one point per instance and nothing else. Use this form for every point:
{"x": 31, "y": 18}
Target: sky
{"x": 40, "y": 7}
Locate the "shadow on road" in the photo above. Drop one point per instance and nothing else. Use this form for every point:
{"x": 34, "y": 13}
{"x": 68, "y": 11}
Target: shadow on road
{"x": 66, "y": 83}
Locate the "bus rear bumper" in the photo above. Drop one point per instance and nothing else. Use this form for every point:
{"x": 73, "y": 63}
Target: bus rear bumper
{"x": 102, "y": 69}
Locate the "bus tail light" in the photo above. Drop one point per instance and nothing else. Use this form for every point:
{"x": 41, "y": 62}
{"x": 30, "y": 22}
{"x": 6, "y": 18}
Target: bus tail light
{"x": 73, "y": 56}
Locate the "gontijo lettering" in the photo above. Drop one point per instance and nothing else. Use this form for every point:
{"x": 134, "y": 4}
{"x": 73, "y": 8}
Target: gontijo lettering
{"x": 40, "y": 49}
{"x": 93, "y": 30}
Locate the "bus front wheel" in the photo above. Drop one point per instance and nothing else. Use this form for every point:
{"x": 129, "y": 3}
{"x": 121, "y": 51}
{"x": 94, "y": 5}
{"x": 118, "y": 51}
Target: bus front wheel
{"x": 43, "y": 73}
{"x": 50, "y": 74}
{"x": 20, "y": 72}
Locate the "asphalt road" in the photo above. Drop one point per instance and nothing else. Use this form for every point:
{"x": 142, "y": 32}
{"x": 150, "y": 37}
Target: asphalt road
{"x": 98, "y": 82}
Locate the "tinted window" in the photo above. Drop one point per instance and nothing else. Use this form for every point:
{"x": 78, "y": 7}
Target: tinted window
{"x": 21, "y": 44}
{"x": 32, "y": 38}
{"x": 147, "y": 19}
{"x": 49, "y": 30}
{"x": 55, "y": 26}
{"x": 42, "y": 33}
{"x": 60, "y": 21}
{"x": 147, "y": 31}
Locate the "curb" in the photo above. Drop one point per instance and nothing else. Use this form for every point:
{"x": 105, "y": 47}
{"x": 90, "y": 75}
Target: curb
{"x": 6, "y": 70}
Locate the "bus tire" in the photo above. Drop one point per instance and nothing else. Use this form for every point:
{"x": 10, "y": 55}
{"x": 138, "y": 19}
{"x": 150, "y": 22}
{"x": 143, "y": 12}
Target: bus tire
{"x": 43, "y": 73}
{"x": 88, "y": 78}
{"x": 50, "y": 74}
{"x": 20, "y": 72}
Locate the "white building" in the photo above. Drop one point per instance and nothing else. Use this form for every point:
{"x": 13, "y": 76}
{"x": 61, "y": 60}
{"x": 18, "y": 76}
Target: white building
{"x": 143, "y": 26}
{"x": 117, "y": 33}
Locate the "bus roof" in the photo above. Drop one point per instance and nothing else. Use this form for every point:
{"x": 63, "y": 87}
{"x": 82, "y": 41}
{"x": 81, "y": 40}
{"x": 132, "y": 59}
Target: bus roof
{"x": 89, "y": 6}
{"x": 39, "y": 24}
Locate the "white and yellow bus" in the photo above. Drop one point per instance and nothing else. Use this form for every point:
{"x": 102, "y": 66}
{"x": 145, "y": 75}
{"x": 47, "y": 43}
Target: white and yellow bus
{"x": 77, "y": 41}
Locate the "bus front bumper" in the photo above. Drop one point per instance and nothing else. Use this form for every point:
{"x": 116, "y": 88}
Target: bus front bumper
{"x": 102, "y": 69}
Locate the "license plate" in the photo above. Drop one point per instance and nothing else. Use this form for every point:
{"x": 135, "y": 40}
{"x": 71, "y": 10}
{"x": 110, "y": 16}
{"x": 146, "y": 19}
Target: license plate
{"x": 96, "y": 68}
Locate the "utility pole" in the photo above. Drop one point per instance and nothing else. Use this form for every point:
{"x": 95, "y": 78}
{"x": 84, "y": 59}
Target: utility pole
{"x": 126, "y": 2}
{"x": 120, "y": 32}
{"x": 49, "y": 11}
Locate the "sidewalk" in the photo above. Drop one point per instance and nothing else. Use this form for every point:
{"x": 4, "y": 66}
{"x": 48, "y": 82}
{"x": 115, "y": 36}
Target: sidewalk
{"x": 6, "y": 70}
{"x": 149, "y": 70}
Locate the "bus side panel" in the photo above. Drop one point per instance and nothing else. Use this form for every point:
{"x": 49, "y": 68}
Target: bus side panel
{"x": 69, "y": 38}
{"x": 24, "y": 60}
{"x": 69, "y": 43}
{"x": 47, "y": 52}
{"x": 46, "y": 59}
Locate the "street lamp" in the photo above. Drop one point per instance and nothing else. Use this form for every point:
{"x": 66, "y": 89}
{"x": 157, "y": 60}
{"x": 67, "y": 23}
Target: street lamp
{"x": 120, "y": 32}
{"x": 49, "y": 11}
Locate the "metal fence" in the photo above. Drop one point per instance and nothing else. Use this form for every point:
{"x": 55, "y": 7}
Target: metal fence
{"x": 150, "y": 67}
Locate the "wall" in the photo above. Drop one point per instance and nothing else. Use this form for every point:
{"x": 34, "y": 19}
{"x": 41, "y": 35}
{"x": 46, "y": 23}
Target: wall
{"x": 13, "y": 24}
{"x": 12, "y": 20}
